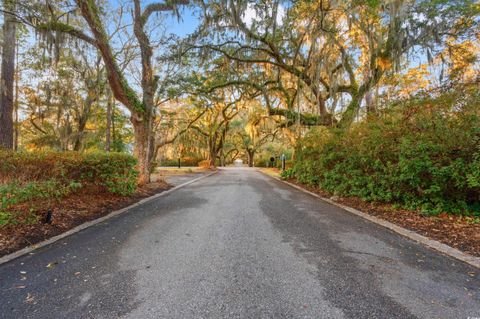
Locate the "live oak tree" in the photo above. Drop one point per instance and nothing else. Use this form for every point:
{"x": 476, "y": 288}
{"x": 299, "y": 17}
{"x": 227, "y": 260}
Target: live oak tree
{"x": 329, "y": 49}
{"x": 142, "y": 108}
{"x": 257, "y": 129}
{"x": 214, "y": 124}
{"x": 174, "y": 121}
{"x": 302, "y": 63}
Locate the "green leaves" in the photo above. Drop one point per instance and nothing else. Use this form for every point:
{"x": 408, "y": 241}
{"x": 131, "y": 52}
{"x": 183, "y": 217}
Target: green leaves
{"x": 115, "y": 171}
{"x": 373, "y": 3}
{"x": 18, "y": 193}
{"x": 473, "y": 176}
{"x": 52, "y": 173}
{"x": 422, "y": 155}
{"x": 34, "y": 176}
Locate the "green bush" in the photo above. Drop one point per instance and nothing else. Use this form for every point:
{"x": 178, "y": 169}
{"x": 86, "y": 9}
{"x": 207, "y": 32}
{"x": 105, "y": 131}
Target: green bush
{"x": 262, "y": 162}
{"x": 29, "y": 176}
{"x": 184, "y": 161}
{"x": 422, "y": 153}
{"x": 14, "y": 193}
{"x": 288, "y": 173}
{"x": 115, "y": 171}
{"x": 36, "y": 170}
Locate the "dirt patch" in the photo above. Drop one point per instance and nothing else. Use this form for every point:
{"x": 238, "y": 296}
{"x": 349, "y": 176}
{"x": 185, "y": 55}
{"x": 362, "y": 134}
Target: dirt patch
{"x": 456, "y": 231}
{"x": 86, "y": 204}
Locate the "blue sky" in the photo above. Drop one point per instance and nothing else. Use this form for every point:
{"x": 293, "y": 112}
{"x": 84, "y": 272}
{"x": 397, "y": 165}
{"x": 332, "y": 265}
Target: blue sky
{"x": 188, "y": 22}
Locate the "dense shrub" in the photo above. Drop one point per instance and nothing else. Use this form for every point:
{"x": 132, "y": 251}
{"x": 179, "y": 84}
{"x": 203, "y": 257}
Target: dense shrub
{"x": 184, "y": 161}
{"x": 114, "y": 171}
{"x": 29, "y": 176}
{"x": 423, "y": 153}
{"x": 15, "y": 193}
{"x": 204, "y": 164}
{"x": 262, "y": 161}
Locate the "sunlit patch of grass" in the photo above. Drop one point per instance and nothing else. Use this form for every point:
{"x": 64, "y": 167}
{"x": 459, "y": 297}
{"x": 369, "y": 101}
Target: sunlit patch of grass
{"x": 16, "y": 218}
{"x": 473, "y": 220}
{"x": 15, "y": 193}
{"x": 6, "y": 218}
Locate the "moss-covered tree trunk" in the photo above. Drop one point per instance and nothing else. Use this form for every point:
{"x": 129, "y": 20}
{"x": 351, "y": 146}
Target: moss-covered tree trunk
{"x": 212, "y": 150}
{"x": 212, "y": 156}
{"x": 143, "y": 149}
{"x": 142, "y": 110}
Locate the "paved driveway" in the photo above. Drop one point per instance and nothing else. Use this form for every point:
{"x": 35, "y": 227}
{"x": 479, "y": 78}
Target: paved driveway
{"x": 237, "y": 244}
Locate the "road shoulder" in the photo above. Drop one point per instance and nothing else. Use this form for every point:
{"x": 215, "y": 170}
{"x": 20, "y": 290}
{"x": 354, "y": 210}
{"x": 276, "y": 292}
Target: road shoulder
{"x": 29, "y": 249}
{"x": 433, "y": 244}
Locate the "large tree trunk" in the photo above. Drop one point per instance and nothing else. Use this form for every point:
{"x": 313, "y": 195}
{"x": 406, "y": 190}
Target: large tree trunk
{"x": 250, "y": 155}
{"x": 212, "y": 152}
{"x": 371, "y": 102}
{"x": 211, "y": 158}
{"x": 82, "y": 120}
{"x": 16, "y": 130}
{"x": 121, "y": 90}
{"x": 222, "y": 158}
{"x": 348, "y": 116}
{"x": 142, "y": 111}
{"x": 143, "y": 149}
{"x": 149, "y": 87}
{"x": 78, "y": 144}
{"x": 7, "y": 77}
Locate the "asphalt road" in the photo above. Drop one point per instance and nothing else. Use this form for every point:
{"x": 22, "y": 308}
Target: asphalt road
{"x": 237, "y": 244}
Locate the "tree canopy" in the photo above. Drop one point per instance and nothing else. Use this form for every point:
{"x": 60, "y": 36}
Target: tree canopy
{"x": 249, "y": 74}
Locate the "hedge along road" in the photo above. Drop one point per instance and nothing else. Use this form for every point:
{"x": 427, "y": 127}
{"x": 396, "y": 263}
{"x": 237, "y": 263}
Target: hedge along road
{"x": 237, "y": 244}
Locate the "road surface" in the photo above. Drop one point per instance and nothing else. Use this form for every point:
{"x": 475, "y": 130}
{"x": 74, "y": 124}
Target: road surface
{"x": 237, "y": 244}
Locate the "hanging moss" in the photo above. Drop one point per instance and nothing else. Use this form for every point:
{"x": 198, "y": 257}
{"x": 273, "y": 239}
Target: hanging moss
{"x": 132, "y": 97}
{"x": 55, "y": 26}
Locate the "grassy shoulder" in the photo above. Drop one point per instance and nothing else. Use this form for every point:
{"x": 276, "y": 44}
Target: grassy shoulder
{"x": 74, "y": 187}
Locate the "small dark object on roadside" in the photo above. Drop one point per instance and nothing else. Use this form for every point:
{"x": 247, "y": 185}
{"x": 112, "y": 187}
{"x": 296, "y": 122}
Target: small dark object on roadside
{"x": 48, "y": 217}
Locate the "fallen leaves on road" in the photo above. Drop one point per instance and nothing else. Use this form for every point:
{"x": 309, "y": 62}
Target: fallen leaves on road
{"x": 30, "y": 299}
{"x": 52, "y": 264}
